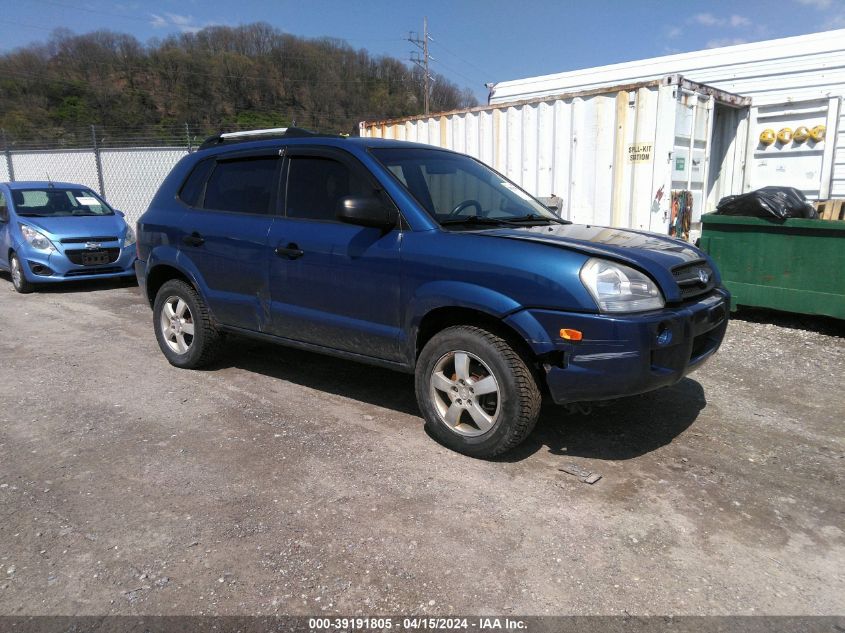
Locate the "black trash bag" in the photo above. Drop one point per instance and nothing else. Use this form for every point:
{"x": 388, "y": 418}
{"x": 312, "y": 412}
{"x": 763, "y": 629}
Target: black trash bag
{"x": 769, "y": 202}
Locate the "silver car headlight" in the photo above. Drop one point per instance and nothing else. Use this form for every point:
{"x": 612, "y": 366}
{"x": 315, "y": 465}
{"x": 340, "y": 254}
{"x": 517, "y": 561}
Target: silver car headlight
{"x": 36, "y": 239}
{"x": 620, "y": 288}
{"x": 130, "y": 238}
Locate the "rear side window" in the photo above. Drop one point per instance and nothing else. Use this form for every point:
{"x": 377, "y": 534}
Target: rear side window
{"x": 192, "y": 189}
{"x": 316, "y": 185}
{"x": 242, "y": 186}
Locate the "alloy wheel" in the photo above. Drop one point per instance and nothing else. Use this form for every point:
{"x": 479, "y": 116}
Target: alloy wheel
{"x": 17, "y": 273}
{"x": 177, "y": 324}
{"x": 465, "y": 393}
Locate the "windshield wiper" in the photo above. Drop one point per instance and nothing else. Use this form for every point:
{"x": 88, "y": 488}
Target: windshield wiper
{"x": 536, "y": 218}
{"x": 514, "y": 221}
{"x": 474, "y": 219}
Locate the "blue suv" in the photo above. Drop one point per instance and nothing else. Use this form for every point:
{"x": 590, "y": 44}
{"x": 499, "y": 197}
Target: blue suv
{"x": 425, "y": 261}
{"x": 59, "y": 231}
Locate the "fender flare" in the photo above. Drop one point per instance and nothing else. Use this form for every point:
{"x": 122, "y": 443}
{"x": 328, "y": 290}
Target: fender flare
{"x": 169, "y": 256}
{"x": 459, "y": 294}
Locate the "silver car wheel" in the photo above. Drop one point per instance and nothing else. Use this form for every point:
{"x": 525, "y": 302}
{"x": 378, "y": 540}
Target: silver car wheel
{"x": 465, "y": 394}
{"x": 177, "y": 324}
{"x": 17, "y": 273}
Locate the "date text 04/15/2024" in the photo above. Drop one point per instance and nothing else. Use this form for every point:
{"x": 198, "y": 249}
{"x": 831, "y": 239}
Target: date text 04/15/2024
{"x": 416, "y": 624}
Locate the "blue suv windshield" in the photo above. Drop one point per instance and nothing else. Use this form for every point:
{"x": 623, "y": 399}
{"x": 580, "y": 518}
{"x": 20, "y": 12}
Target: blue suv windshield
{"x": 58, "y": 201}
{"x": 461, "y": 191}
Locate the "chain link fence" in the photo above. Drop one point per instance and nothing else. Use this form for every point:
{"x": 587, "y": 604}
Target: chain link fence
{"x": 126, "y": 167}
{"x": 4, "y": 169}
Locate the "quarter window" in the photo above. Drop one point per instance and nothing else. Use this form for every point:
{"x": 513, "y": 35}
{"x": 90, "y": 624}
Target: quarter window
{"x": 316, "y": 185}
{"x": 192, "y": 189}
{"x": 242, "y": 186}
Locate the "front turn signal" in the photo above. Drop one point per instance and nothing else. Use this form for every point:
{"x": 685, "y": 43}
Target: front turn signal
{"x": 571, "y": 335}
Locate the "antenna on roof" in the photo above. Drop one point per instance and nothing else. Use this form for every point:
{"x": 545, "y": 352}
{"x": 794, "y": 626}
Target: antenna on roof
{"x": 49, "y": 180}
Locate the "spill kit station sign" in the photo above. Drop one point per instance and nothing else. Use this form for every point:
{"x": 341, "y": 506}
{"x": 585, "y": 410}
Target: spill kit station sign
{"x": 639, "y": 152}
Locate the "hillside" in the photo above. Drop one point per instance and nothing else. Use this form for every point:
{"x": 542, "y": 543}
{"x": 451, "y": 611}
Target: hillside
{"x": 219, "y": 77}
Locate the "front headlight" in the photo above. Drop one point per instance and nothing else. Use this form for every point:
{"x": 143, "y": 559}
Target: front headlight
{"x": 619, "y": 288}
{"x": 129, "y": 240}
{"x": 36, "y": 239}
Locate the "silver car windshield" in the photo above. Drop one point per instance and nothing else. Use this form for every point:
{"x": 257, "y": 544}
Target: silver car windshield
{"x": 461, "y": 191}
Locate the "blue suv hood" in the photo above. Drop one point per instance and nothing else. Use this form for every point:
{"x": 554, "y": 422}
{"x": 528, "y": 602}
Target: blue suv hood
{"x": 79, "y": 225}
{"x": 655, "y": 254}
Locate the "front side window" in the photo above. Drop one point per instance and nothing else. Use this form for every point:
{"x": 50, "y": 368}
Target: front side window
{"x": 456, "y": 189}
{"x": 58, "y": 201}
{"x": 242, "y": 185}
{"x": 4, "y": 210}
{"x": 316, "y": 185}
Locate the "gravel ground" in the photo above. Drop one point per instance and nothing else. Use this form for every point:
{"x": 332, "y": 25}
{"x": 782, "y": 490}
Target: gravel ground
{"x": 282, "y": 482}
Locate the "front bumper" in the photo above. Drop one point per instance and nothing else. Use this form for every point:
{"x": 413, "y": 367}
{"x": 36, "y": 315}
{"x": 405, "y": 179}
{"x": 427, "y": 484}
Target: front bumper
{"x": 41, "y": 267}
{"x": 622, "y": 355}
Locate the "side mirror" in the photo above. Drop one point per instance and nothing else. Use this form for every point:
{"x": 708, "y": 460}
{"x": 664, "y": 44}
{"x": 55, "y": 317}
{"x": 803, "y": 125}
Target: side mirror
{"x": 553, "y": 203}
{"x": 120, "y": 213}
{"x": 366, "y": 211}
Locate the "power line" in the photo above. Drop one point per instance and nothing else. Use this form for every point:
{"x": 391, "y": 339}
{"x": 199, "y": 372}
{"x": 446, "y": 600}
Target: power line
{"x": 210, "y": 74}
{"x": 457, "y": 72}
{"x": 439, "y": 44}
{"x": 146, "y": 20}
{"x": 124, "y": 16}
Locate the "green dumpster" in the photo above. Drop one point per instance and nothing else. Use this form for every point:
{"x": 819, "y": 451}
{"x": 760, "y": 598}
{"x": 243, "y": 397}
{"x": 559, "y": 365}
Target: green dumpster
{"x": 795, "y": 265}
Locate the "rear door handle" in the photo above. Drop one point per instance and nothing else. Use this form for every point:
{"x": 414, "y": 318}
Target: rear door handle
{"x": 291, "y": 251}
{"x": 194, "y": 239}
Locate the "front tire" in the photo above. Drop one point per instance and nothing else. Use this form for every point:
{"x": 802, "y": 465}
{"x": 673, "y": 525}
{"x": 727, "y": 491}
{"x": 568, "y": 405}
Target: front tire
{"x": 19, "y": 280}
{"x": 183, "y": 326}
{"x": 477, "y": 394}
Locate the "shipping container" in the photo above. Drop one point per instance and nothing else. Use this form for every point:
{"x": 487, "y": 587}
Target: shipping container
{"x": 792, "y": 82}
{"x": 613, "y": 156}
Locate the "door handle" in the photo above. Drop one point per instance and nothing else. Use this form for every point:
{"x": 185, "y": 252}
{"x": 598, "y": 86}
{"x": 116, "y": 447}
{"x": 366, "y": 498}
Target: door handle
{"x": 194, "y": 239}
{"x": 291, "y": 251}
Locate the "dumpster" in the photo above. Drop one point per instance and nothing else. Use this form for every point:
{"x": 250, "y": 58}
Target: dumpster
{"x": 795, "y": 265}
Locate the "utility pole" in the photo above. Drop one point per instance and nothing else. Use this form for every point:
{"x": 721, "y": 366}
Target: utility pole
{"x": 422, "y": 62}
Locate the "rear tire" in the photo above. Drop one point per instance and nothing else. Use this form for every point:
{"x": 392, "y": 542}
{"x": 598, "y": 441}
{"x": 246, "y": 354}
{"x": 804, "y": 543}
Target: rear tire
{"x": 183, "y": 326}
{"x": 477, "y": 394}
{"x": 19, "y": 280}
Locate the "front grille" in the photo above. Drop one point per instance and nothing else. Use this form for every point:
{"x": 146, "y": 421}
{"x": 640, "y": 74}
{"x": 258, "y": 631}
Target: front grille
{"x": 75, "y": 256}
{"x": 694, "y": 279}
{"x": 83, "y": 240}
{"x": 93, "y": 271}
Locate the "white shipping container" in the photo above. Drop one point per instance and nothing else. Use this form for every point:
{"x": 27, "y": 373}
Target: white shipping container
{"x": 791, "y": 81}
{"x": 613, "y": 155}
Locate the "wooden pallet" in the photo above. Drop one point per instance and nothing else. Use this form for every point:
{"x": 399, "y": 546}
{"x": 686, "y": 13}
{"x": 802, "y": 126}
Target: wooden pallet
{"x": 830, "y": 209}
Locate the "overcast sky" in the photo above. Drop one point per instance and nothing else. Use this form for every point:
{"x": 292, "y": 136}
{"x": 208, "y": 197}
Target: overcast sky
{"x": 474, "y": 41}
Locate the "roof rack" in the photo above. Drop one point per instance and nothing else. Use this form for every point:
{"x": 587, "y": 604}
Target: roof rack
{"x": 255, "y": 135}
